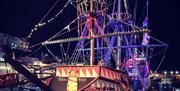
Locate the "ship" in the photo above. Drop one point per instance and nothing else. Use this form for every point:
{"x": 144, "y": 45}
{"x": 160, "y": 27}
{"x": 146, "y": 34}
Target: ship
{"x": 108, "y": 50}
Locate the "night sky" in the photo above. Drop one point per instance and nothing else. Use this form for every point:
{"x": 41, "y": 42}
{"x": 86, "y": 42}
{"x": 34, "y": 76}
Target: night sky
{"x": 18, "y": 17}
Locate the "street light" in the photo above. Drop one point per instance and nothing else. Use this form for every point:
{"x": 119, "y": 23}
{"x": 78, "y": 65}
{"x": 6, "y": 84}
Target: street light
{"x": 171, "y": 72}
{"x": 165, "y": 72}
{"x": 177, "y": 72}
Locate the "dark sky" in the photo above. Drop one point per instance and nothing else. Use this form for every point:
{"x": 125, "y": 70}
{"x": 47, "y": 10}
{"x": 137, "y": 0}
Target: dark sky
{"x": 17, "y": 17}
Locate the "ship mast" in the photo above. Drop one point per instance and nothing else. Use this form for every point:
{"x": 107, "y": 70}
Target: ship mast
{"x": 92, "y": 39}
{"x": 118, "y": 62}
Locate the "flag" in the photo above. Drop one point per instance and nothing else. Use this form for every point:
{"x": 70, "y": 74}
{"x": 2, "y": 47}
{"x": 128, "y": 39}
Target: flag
{"x": 145, "y": 40}
{"x": 145, "y": 22}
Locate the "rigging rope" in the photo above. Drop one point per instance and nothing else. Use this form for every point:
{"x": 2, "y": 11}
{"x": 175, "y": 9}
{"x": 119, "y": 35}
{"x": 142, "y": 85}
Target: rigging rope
{"x": 114, "y": 5}
{"x": 68, "y": 47}
{"x": 156, "y": 54}
{"x": 161, "y": 61}
{"x": 147, "y": 4}
{"x": 135, "y": 12}
{"x": 62, "y": 52}
{"x": 75, "y": 53}
{"x": 35, "y": 51}
{"x": 41, "y": 23}
{"x": 141, "y": 16}
{"x": 72, "y": 57}
{"x": 56, "y": 58}
{"x": 49, "y": 11}
{"x": 54, "y": 36}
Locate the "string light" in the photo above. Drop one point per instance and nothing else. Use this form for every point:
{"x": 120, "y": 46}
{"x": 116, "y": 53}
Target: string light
{"x": 95, "y": 36}
{"x": 41, "y": 24}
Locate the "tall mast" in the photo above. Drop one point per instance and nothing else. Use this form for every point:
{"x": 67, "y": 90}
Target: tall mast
{"x": 92, "y": 39}
{"x": 118, "y": 62}
{"x": 119, "y": 9}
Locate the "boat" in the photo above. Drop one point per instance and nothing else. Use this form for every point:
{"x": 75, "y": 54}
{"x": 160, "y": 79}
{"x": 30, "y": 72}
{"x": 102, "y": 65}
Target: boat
{"x": 109, "y": 50}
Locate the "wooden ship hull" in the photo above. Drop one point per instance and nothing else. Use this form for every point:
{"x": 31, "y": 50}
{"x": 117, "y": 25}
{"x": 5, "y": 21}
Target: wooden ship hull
{"x": 88, "y": 78}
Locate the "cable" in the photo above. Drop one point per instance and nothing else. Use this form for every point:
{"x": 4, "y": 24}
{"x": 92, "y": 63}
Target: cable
{"x": 56, "y": 58}
{"x": 49, "y": 11}
{"x": 135, "y": 12}
{"x": 161, "y": 61}
{"x": 157, "y": 53}
{"x": 68, "y": 47}
{"x": 53, "y": 35}
{"x": 142, "y": 15}
{"x": 74, "y": 53}
{"x": 62, "y": 29}
{"x": 65, "y": 32}
{"x": 35, "y": 51}
{"x": 159, "y": 41}
{"x": 43, "y": 17}
{"x": 114, "y": 3}
{"x": 41, "y": 23}
{"x": 147, "y": 4}
{"x": 62, "y": 52}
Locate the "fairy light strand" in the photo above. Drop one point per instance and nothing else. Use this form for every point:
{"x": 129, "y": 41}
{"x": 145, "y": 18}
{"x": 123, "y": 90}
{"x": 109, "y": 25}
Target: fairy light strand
{"x": 41, "y": 23}
{"x": 58, "y": 33}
